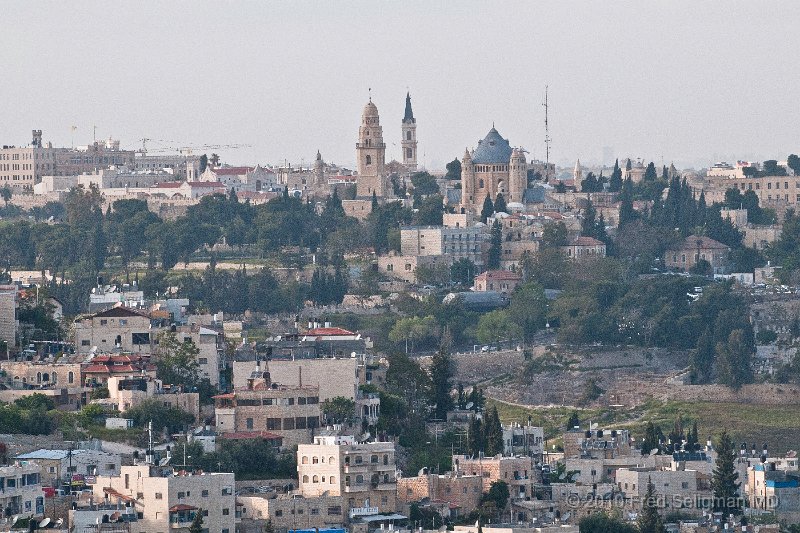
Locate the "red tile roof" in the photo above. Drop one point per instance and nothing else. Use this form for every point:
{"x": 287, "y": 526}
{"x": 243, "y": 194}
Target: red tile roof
{"x": 231, "y": 171}
{"x": 212, "y": 184}
{"x": 499, "y": 275}
{"x": 693, "y": 242}
{"x": 117, "y": 494}
{"x": 181, "y": 507}
{"x": 169, "y": 185}
{"x": 329, "y": 332}
{"x": 586, "y": 241}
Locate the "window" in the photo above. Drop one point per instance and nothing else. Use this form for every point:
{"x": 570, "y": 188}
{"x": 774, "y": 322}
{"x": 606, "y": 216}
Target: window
{"x": 314, "y": 511}
{"x": 332, "y": 480}
{"x": 279, "y": 512}
{"x": 273, "y": 423}
{"x": 335, "y": 510}
{"x": 249, "y": 423}
{"x": 203, "y": 361}
{"x": 204, "y": 494}
{"x": 305, "y": 479}
{"x": 369, "y": 160}
{"x": 103, "y": 322}
{"x": 226, "y": 512}
{"x": 300, "y": 422}
{"x": 84, "y": 342}
{"x": 140, "y": 338}
{"x": 301, "y": 401}
{"x": 684, "y": 484}
{"x": 315, "y": 479}
{"x": 123, "y": 322}
{"x": 159, "y": 496}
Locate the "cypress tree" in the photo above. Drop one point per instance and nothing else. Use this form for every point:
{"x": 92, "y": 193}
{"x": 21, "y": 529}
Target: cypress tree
{"x": 626, "y": 212}
{"x": 724, "y": 478}
{"x": 488, "y": 209}
{"x": 500, "y": 204}
{"x": 649, "y": 519}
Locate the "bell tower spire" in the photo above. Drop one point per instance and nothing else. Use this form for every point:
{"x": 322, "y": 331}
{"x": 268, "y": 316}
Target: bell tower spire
{"x": 409, "y": 140}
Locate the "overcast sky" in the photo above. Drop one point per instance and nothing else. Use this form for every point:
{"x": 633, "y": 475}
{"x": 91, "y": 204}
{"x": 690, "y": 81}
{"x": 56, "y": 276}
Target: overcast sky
{"x": 686, "y": 81}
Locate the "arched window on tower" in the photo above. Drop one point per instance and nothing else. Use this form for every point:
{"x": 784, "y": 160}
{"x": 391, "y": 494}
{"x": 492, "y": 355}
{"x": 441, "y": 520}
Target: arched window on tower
{"x": 480, "y": 183}
{"x": 408, "y": 135}
{"x": 369, "y": 159}
{"x": 410, "y": 153}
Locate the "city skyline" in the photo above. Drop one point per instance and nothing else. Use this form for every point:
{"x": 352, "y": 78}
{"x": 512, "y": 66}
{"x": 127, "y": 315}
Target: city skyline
{"x": 291, "y": 80}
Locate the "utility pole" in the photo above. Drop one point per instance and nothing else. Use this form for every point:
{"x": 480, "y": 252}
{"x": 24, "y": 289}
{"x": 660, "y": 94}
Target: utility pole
{"x": 547, "y": 139}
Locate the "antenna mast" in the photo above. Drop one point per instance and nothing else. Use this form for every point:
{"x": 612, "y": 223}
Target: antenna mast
{"x": 547, "y": 139}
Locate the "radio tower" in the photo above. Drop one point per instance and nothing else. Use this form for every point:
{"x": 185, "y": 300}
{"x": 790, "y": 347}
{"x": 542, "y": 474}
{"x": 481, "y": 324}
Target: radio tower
{"x": 547, "y": 139}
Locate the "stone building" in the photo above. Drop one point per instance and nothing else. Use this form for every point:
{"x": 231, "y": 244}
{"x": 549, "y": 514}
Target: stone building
{"x": 292, "y": 413}
{"x": 371, "y": 155}
{"x": 58, "y": 466}
{"x": 503, "y": 281}
{"x": 520, "y": 473}
{"x": 117, "y": 328}
{"x": 598, "y": 442}
{"x": 493, "y": 168}
{"x": 462, "y": 493}
{"x": 23, "y": 167}
{"x": 8, "y": 314}
{"x": 585, "y": 249}
{"x": 697, "y": 248}
{"x": 21, "y": 491}
{"x": 409, "y": 139}
{"x": 678, "y": 489}
{"x": 290, "y": 512}
{"x": 364, "y": 474}
{"x": 167, "y": 499}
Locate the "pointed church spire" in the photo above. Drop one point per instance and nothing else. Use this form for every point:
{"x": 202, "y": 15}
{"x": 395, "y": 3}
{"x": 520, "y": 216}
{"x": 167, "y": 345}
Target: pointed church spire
{"x": 409, "y": 115}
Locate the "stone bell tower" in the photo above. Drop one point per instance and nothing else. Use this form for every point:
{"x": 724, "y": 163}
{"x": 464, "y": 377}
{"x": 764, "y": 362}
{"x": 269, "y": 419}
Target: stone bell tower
{"x": 371, "y": 155}
{"x": 409, "y": 140}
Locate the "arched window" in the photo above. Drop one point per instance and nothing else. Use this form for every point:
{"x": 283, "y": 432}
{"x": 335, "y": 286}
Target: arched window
{"x": 323, "y": 479}
{"x": 408, "y": 135}
{"x": 385, "y": 459}
{"x": 480, "y": 183}
{"x": 330, "y": 459}
{"x": 359, "y": 479}
{"x": 38, "y": 377}
{"x": 304, "y": 460}
{"x": 315, "y": 460}
{"x": 45, "y": 377}
{"x": 386, "y": 478}
{"x": 70, "y": 377}
{"x": 315, "y": 479}
{"x": 305, "y": 479}
{"x": 410, "y": 153}
{"x": 369, "y": 159}
{"x": 373, "y": 459}
{"x": 332, "y": 480}
{"x": 55, "y": 378}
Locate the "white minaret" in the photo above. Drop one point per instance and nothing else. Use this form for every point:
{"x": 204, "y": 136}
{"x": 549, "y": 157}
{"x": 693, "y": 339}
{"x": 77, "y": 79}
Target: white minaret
{"x": 409, "y": 140}
{"x": 577, "y": 174}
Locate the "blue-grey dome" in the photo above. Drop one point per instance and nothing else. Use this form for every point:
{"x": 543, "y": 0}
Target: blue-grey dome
{"x": 492, "y": 149}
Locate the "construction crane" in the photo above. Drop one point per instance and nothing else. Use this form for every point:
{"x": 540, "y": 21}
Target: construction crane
{"x": 185, "y": 149}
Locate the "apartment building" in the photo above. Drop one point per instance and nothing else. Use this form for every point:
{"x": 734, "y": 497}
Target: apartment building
{"x": 607, "y": 443}
{"x": 22, "y": 167}
{"x": 770, "y": 488}
{"x": 585, "y": 249}
{"x": 503, "y": 281}
{"x": 21, "y": 490}
{"x": 675, "y": 489}
{"x": 461, "y": 492}
{"x": 364, "y": 474}
{"x": 59, "y": 466}
{"x": 523, "y": 440}
{"x": 292, "y": 413}
{"x": 166, "y": 499}
{"x": 520, "y": 473}
{"x": 334, "y": 376}
{"x": 210, "y": 344}
{"x": 290, "y": 512}
{"x": 120, "y": 328}
{"x": 694, "y": 249}
{"x": 462, "y": 242}
{"x": 126, "y": 392}
{"x": 8, "y": 314}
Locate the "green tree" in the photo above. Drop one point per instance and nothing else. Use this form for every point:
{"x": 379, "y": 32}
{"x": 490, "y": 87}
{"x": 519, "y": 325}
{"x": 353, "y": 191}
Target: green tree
{"x": 500, "y": 204}
{"x": 650, "y": 441}
{"x": 554, "y": 235}
{"x": 339, "y": 410}
{"x": 463, "y": 271}
{"x": 615, "y": 181}
{"x": 453, "y": 170}
{"x": 573, "y": 421}
{"x": 495, "y": 246}
{"x": 5, "y": 194}
{"x": 626, "y": 212}
{"x": 412, "y": 330}
{"x": 197, "y": 522}
{"x": 493, "y": 431}
{"x": 649, "y": 519}
{"x": 528, "y": 309}
{"x": 498, "y": 494}
{"x": 177, "y": 364}
{"x": 602, "y": 522}
{"x": 793, "y": 162}
{"x": 734, "y": 359}
{"x": 724, "y": 478}
{"x": 495, "y": 326}
{"x": 441, "y": 377}
{"x": 487, "y": 210}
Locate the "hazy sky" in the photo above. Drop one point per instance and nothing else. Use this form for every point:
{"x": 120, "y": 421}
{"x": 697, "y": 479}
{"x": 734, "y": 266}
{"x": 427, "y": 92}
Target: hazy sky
{"x": 689, "y": 81}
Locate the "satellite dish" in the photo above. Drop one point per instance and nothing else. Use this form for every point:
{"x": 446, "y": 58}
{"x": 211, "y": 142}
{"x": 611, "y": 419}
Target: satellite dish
{"x": 654, "y": 451}
{"x": 562, "y": 476}
{"x": 59, "y": 522}
{"x": 366, "y": 435}
{"x": 45, "y": 522}
{"x": 14, "y": 519}
{"x": 469, "y": 405}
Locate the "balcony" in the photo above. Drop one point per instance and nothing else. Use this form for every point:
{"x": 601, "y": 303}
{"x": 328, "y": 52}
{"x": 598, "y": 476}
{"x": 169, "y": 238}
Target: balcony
{"x": 362, "y": 467}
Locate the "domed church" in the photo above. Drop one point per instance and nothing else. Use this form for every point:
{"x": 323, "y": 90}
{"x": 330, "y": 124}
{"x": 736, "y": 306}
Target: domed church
{"x": 493, "y": 168}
